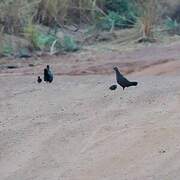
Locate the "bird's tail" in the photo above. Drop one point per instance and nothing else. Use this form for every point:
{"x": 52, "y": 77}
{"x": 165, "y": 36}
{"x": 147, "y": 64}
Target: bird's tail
{"x": 134, "y": 83}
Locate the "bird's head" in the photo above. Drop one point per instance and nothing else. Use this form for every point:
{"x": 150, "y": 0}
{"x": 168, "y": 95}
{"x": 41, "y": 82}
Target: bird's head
{"x": 115, "y": 68}
{"x": 47, "y": 66}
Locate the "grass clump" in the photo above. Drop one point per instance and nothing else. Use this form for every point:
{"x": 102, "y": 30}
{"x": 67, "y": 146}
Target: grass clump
{"x": 69, "y": 44}
{"x": 45, "y": 41}
{"x": 172, "y": 26}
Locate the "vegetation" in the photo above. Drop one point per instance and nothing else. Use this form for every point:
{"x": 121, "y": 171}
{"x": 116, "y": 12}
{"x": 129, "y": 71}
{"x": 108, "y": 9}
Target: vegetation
{"x": 172, "y": 26}
{"x": 23, "y": 18}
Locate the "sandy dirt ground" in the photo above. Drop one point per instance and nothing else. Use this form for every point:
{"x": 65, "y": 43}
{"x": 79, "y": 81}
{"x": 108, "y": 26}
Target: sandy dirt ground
{"x": 77, "y": 129}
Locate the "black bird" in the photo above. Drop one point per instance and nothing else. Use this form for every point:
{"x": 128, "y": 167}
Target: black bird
{"x": 45, "y": 75}
{"x": 122, "y": 81}
{"x": 48, "y": 75}
{"x": 113, "y": 87}
{"x": 39, "y": 80}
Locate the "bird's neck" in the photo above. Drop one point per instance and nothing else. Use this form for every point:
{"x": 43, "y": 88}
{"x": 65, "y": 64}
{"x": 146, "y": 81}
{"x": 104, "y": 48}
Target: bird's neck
{"x": 117, "y": 72}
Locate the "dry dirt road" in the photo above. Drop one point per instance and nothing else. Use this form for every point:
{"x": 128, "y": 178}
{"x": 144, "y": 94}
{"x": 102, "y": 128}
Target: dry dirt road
{"x": 77, "y": 129}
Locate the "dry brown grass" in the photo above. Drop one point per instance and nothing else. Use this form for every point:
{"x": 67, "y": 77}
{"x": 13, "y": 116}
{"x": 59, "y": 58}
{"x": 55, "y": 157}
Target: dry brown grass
{"x": 15, "y": 14}
{"x": 12, "y": 16}
{"x": 64, "y": 11}
{"x": 148, "y": 17}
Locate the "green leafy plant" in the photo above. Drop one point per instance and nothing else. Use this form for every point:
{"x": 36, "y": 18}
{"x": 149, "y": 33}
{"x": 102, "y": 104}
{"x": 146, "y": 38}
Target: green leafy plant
{"x": 69, "y": 44}
{"x": 172, "y": 26}
{"x": 7, "y": 50}
{"x": 126, "y": 9}
{"x": 112, "y": 20}
{"x": 38, "y": 39}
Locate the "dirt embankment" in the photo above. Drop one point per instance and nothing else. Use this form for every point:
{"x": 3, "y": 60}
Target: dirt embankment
{"x": 155, "y": 59}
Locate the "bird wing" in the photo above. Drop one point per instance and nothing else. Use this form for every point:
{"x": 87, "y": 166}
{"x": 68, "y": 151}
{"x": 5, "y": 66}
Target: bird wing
{"x": 122, "y": 79}
{"x": 45, "y": 74}
{"x": 125, "y": 82}
{"x": 50, "y": 72}
{"x": 50, "y": 75}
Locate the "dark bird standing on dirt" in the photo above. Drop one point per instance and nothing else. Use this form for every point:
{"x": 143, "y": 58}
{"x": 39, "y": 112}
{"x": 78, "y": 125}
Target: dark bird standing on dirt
{"x": 122, "y": 81}
{"x": 39, "y": 80}
{"x": 48, "y": 75}
{"x": 45, "y": 75}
